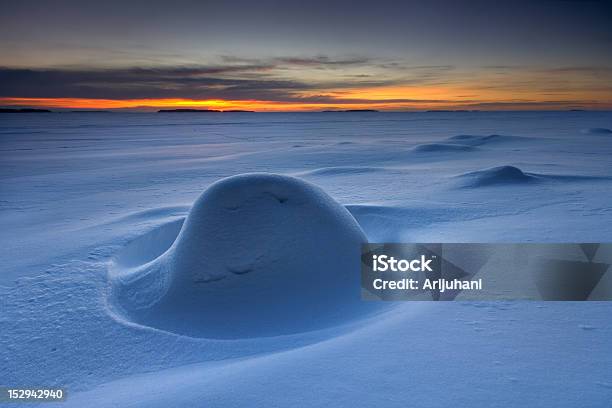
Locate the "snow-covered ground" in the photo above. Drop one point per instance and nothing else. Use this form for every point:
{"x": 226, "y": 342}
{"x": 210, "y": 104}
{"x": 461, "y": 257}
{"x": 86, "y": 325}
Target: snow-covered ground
{"x": 87, "y": 196}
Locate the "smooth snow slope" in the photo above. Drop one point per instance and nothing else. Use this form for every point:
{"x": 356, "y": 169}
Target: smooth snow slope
{"x": 83, "y": 196}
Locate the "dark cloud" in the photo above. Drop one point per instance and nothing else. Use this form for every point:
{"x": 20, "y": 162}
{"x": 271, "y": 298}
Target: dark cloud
{"x": 579, "y": 69}
{"x": 286, "y": 79}
{"x": 320, "y": 99}
{"x": 533, "y": 105}
{"x": 323, "y": 61}
{"x": 235, "y": 81}
{"x": 320, "y": 61}
{"x": 132, "y": 83}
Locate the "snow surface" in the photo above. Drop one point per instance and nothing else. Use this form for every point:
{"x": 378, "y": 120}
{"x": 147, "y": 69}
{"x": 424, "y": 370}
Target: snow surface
{"x": 88, "y": 201}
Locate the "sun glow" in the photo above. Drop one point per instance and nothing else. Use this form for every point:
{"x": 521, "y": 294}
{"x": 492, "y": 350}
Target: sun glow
{"x": 385, "y": 98}
{"x": 217, "y": 104}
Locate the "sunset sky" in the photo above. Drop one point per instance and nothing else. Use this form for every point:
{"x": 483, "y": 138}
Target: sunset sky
{"x": 293, "y": 56}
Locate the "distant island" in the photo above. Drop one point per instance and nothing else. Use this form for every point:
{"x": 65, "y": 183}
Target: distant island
{"x": 90, "y": 111}
{"x": 24, "y": 110}
{"x": 450, "y": 110}
{"x": 188, "y": 111}
{"x": 201, "y": 111}
{"x": 350, "y": 110}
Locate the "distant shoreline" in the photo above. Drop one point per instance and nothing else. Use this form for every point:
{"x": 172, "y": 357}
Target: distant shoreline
{"x": 24, "y": 110}
{"x": 434, "y": 111}
{"x": 349, "y": 111}
{"x": 201, "y": 111}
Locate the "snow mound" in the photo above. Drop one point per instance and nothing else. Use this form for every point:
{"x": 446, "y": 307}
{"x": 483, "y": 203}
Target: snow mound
{"x": 597, "y": 131}
{"x": 258, "y": 255}
{"x": 475, "y": 140}
{"x": 442, "y": 147}
{"x": 496, "y": 176}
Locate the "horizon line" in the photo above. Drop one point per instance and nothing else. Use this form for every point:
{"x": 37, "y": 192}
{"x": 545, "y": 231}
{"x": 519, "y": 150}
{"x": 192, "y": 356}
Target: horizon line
{"x": 382, "y": 105}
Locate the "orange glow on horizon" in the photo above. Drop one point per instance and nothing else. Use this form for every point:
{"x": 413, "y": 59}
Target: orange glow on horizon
{"x": 216, "y": 104}
{"x": 382, "y": 99}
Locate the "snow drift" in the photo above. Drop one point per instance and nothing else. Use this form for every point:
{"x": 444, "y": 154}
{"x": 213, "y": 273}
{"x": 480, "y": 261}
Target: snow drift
{"x": 442, "y": 147}
{"x": 258, "y": 255}
{"x": 477, "y": 140}
{"x": 340, "y": 171}
{"x": 496, "y": 176}
{"x": 598, "y": 131}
